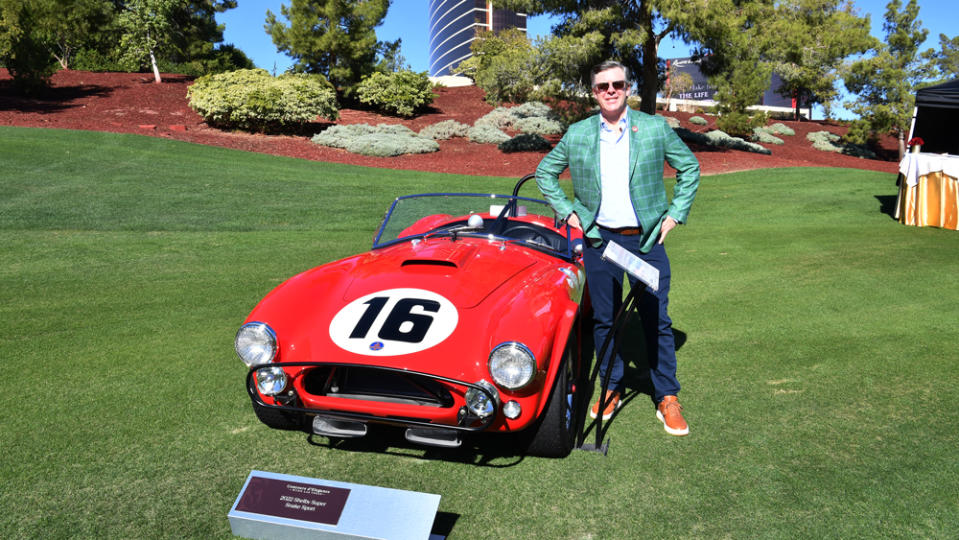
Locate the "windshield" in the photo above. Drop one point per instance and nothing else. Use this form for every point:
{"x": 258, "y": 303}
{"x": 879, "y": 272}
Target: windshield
{"x": 499, "y": 217}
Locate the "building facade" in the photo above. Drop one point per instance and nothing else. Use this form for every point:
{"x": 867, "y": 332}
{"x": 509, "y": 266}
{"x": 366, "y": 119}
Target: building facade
{"x": 454, "y": 25}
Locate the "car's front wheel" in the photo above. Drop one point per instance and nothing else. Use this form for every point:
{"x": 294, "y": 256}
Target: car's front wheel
{"x": 554, "y": 435}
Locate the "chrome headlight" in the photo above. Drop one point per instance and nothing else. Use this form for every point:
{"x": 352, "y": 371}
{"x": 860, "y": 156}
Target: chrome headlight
{"x": 255, "y": 343}
{"x": 270, "y": 381}
{"x": 479, "y": 403}
{"x": 512, "y": 365}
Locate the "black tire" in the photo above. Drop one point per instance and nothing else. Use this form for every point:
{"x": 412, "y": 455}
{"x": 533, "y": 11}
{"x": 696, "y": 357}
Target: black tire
{"x": 554, "y": 434}
{"x": 278, "y": 419}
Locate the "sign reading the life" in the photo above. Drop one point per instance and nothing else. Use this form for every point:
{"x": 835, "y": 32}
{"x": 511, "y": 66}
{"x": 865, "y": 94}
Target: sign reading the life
{"x": 394, "y": 322}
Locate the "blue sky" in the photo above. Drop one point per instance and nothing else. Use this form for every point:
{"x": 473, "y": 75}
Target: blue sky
{"x": 407, "y": 20}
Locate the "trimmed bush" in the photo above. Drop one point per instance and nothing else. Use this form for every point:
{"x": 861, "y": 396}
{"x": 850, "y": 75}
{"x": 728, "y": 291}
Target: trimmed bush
{"x": 447, "y": 129}
{"x": 538, "y": 125}
{"x": 532, "y": 117}
{"x": 693, "y": 137}
{"x": 526, "y": 142}
{"x": 764, "y": 136}
{"x": 532, "y": 109}
{"x": 498, "y": 118}
{"x": 400, "y": 92}
{"x": 390, "y": 145}
{"x": 672, "y": 122}
{"x": 720, "y": 139}
{"x": 384, "y": 140}
{"x": 829, "y": 142}
{"x": 781, "y": 129}
{"x": 697, "y": 120}
{"x": 486, "y": 134}
{"x": 252, "y": 99}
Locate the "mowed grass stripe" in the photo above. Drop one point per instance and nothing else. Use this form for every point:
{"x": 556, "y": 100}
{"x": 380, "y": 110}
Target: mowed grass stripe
{"x": 818, "y": 355}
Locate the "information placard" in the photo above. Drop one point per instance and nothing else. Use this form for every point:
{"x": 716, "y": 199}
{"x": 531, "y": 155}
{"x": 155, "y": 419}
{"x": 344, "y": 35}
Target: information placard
{"x": 632, "y": 264}
{"x": 275, "y": 506}
{"x": 294, "y": 500}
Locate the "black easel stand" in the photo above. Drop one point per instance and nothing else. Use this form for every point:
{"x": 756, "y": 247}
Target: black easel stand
{"x": 628, "y": 307}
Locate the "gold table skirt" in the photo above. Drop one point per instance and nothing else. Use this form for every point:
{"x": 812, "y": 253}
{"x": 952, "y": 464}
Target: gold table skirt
{"x": 932, "y": 202}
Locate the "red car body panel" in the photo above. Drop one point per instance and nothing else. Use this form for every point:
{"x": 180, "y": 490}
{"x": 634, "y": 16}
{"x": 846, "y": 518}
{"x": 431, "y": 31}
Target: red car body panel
{"x": 496, "y": 291}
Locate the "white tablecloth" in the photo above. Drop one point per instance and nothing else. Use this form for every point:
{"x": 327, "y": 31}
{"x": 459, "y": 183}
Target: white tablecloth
{"x": 915, "y": 165}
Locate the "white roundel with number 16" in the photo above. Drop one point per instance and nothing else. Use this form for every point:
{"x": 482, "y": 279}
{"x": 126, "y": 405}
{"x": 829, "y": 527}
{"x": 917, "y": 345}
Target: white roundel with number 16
{"x": 394, "y": 322}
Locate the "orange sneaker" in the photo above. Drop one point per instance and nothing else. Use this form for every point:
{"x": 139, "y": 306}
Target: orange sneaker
{"x": 668, "y": 412}
{"x": 613, "y": 398}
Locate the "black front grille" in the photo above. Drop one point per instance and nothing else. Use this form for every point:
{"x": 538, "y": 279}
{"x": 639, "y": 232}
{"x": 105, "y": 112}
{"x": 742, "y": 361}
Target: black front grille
{"x": 373, "y": 384}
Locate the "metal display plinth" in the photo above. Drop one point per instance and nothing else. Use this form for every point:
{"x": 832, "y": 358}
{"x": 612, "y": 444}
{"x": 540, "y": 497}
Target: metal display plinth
{"x": 275, "y": 506}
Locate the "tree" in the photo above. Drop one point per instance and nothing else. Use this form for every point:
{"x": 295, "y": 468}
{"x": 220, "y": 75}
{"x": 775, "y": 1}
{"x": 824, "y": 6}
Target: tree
{"x": 69, "y": 24}
{"x": 631, "y": 30}
{"x": 885, "y": 83}
{"x": 147, "y": 27}
{"x": 34, "y": 32}
{"x": 510, "y": 68}
{"x": 335, "y": 38}
{"x": 811, "y": 39}
{"x": 943, "y": 64}
{"x": 22, "y": 49}
{"x": 733, "y": 54}
{"x": 194, "y": 44}
{"x": 676, "y": 82}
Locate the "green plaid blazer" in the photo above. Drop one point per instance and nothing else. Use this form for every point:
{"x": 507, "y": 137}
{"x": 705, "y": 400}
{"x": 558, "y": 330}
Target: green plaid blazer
{"x": 652, "y": 143}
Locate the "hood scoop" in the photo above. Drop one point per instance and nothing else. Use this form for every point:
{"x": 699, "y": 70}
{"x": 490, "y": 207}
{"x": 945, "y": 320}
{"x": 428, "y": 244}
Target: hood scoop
{"x": 428, "y": 264}
{"x": 463, "y": 272}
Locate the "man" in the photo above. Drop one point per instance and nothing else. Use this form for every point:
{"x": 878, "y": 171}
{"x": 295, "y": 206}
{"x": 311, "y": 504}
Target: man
{"x": 616, "y": 161}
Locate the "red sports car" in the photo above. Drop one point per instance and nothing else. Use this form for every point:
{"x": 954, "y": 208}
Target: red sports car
{"x": 463, "y": 317}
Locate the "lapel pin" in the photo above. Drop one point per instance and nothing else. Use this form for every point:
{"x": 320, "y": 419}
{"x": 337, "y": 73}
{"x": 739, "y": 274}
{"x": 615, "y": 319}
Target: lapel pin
{"x": 635, "y": 129}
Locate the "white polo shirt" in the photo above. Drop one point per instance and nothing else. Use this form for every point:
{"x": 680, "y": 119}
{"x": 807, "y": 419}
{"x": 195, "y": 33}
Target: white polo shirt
{"x": 616, "y": 207}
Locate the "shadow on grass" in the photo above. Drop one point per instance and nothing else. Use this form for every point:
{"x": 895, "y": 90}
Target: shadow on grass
{"x": 635, "y": 376}
{"x": 495, "y": 450}
{"x": 887, "y": 205}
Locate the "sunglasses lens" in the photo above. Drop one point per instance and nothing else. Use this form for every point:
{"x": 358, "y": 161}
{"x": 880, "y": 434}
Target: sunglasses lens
{"x": 604, "y": 86}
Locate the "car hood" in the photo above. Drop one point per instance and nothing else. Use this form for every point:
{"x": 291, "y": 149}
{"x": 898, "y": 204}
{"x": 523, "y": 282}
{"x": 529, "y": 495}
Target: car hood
{"x": 465, "y": 271}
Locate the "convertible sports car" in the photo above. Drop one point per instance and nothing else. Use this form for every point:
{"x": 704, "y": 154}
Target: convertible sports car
{"x": 463, "y": 317}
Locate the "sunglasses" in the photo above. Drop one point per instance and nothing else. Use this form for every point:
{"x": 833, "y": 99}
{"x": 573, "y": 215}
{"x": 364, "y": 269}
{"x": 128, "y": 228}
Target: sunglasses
{"x": 604, "y": 86}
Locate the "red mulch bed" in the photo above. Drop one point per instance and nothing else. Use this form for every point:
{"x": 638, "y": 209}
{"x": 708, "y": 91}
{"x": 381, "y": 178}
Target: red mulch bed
{"x": 133, "y": 103}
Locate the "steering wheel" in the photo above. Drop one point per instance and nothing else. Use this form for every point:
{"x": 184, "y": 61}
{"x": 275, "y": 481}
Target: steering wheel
{"x": 534, "y": 234}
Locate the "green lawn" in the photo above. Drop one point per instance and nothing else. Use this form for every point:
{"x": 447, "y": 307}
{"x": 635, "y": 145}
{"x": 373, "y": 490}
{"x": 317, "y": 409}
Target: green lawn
{"x": 819, "y": 357}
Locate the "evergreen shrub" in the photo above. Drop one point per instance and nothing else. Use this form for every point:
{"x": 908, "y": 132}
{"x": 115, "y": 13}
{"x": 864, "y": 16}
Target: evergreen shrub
{"x": 538, "y": 125}
{"x": 525, "y": 142}
{"x": 781, "y": 129}
{"x": 486, "y": 134}
{"x": 447, "y": 129}
{"x": 384, "y": 140}
{"x": 252, "y": 99}
{"x": 763, "y": 135}
{"x": 720, "y": 139}
{"x": 739, "y": 123}
{"x": 532, "y": 109}
{"x": 498, "y": 118}
{"x": 697, "y": 120}
{"x": 531, "y": 117}
{"x": 400, "y": 92}
{"x": 830, "y": 142}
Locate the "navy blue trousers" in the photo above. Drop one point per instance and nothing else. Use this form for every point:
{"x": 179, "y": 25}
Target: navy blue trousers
{"x": 605, "y": 282}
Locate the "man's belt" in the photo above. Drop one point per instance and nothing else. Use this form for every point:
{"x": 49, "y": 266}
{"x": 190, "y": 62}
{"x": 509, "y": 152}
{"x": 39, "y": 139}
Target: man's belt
{"x": 625, "y": 231}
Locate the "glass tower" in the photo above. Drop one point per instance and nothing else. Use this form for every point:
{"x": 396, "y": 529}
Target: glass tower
{"x": 453, "y": 27}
